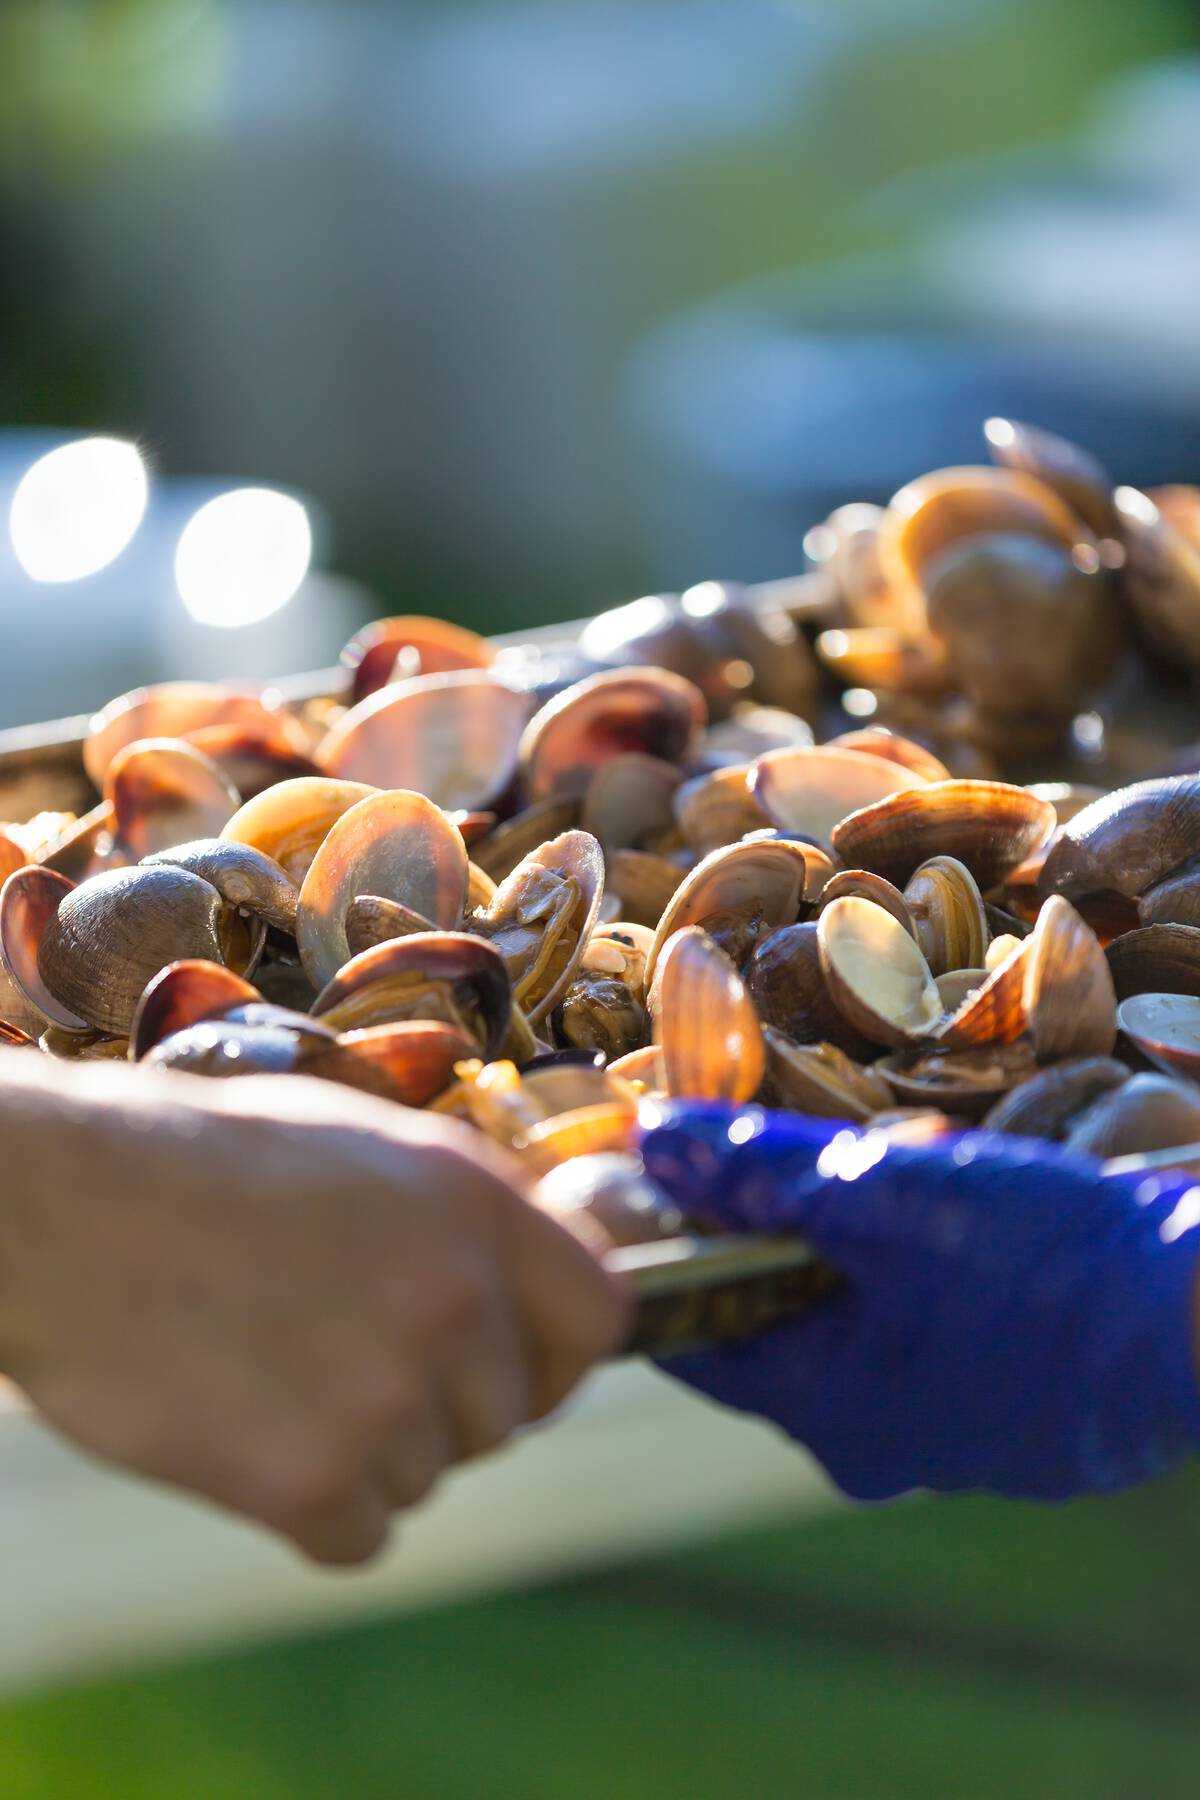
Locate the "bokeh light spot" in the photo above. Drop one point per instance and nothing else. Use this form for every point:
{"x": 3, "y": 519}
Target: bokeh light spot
{"x": 77, "y": 508}
{"x": 242, "y": 556}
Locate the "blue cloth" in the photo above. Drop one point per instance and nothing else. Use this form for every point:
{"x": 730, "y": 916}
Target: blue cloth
{"x": 1012, "y": 1319}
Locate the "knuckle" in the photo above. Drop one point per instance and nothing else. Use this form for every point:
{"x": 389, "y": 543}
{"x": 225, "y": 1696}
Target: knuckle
{"x": 460, "y": 1299}
{"x": 298, "y": 1485}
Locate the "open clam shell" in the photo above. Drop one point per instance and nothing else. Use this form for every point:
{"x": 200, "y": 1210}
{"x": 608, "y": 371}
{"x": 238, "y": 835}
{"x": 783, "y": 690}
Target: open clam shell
{"x": 254, "y": 757}
{"x": 965, "y": 1081}
{"x": 628, "y": 800}
{"x": 163, "y": 791}
{"x": 739, "y": 893}
{"x": 447, "y": 975}
{"x": 395, "y": 844}
{"x": 542, "y": 916}
{"x": 877, "y": 974}
{"x": 172, "y": 709}
{"x": 29, "y": 900}
{"x": 821, "y": 1080}
{"x": 810, "y": 790}
{"x": 1155, "y": 959}
{"x": 1166, "y": 1029}
{"x": 394, "y": 649}
{"x": 892, "y": 746}
{"x": 989, "y": 826}
{"x": 947, "y": 911}
{"x": 181, "y": 995}
{"x": 861, "y": 884}
{"x": 502, "y": 849}
{"x": 707, "y": 1027}
{"x": 633, "y": 709}
{"x": 1055, "y": 985}
{"x": 291, "y": 821}
{"x": 788, "y": 986}
{"x": 1045, "y": 1104}
{"x": 1076, "y": 476}
{"x": 451, "y": 737}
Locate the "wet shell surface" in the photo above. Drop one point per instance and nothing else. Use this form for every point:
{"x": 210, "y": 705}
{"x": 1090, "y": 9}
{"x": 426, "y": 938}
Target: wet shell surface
{"x": 290, "y": 822}
{"x": 452, "y": 737}
{"x": 541, "y": 918}
{"x": 707, "y": 1028}
{"x": 742, "y": 891}
{"x": 876, "y": 973}
{"x": 647, "y": 710}
{"x": 990, "y": 826}
{"x": 809, "y": 791}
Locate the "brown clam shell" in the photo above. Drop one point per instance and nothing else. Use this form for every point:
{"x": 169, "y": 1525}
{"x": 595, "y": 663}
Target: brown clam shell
{"x": 821, "y": 1080}
{"x": 787, "y": 984}
{"x": 171, "y": 709}
{"x": 163, "y": 791}
{"x": 1175, "y": 900}
{"x": 241, "y": 875}
{"x": 707, "y": 1028}
{"x": 645, "y": 883}
{"x": 938, "y": 509}
{"x": 989, "y": 826}
{"x": 501, "y": 850}
{"x": 876, "y": 973}
{"x": 965, "y": 1081}
{"x": 372, "y": 919}
{"x": 181, "y": 995}
{"x": 892, "y": 746}
{"x": 717, "y": 809}
{"x": 1126, "y": 842}
{"x": 541, "y": 917}
{"x": 1162, "y": 578}
{"x": 290, "y": 822}
{"x": 28, "y": 902}
{"x": 397, "y": 844}
{"x": 451, "y": 737}
{"x": 1045, "y": 1105}
{"x": 947, "y": 912}
{"x": 1074, "y": 474}
{"x": 1069, "y": 994}
{"x": 409, "y": 1061}
{"x": 810, "y": 790}
{"x": 1155, "y": 959}
{"x": 391, "y": 982}
{"x": 1147, "y": 1113}
{"x": 628, "y": 800}
{"x": 392, "y": 649}
{"x": 759, "y": 881}
{"x": 885, "y": 658}
{"x": 631, "y": 709}
{"x": 111, "y": 935}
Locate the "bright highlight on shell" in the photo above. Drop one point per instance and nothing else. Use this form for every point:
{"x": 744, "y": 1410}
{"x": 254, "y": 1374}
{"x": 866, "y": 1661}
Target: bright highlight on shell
{"x": 78, "y": 508}
{"x": 242, "y": 556}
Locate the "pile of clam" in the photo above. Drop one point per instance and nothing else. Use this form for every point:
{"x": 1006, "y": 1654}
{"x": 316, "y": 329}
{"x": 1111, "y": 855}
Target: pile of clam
{"x": 529, "y": 915}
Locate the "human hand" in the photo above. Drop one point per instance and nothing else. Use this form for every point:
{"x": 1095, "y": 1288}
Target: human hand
{"x": 1011, "y": 1318}
{"x": 299, "y": 1302}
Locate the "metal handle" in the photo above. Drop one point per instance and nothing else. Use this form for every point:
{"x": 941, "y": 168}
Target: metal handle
{"x": 697, "y": 1291}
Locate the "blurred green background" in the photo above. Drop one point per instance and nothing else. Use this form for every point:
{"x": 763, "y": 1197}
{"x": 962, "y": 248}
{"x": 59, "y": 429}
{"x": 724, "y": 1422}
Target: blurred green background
{"x": 152, "y": 203}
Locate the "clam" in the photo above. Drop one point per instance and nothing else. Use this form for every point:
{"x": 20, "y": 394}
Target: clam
{"x": 502, "y": 849}
{"x": 640, "y": 1066}
{"x": 557, "y": 1084}
{"x": 398, "y": 845}
{"x": 1166, "y": 1029}
{"x": 964, "y": 1081}
{"x": 163, "y": 791}
{"x": 1175, "y": 900}
{"x": 860, "y": 884}
{"x": 947, "y": 913}
{"x": 707, "y": 1027}
{"x": 1146, "y": 1113}
{"x": 989, "y": 826}
{"x": 876, "y": 974}
{"x": 621, "y": 949}
{"x": 183, "y": 994}
{"x": 1045, "y": 1104}
{"x": 610, "y": 1127}
{"x": 787, "y": 984}
{"x": 542, "y": 916}
{"x": 290, "y": 822}
{"x": 749, "y": 732}
{"x": 845, "y": 546}
{"x": 109, "y": 936}
{"x": 1128, "y": 842}
{"x": 28, "y": 902}
{"x": 173, "y": 709}
{"x": 646, "y": 710}
{"x": 809, "y": 791}
{"x": 410, "y": 1061}
{"x": 243, "y": 877}
{"x": 1030, "y": 627}
{"x": 883, "y": 657}
{"x": 373, "y": 919}
{"x": 821, "y": 1080}
{"x": 718, "y": 808}
{"x": 892, "y": 746}
{"x": 451, "y": 737}
{"x": 447, "y": 975}
{"x": 1075, "y": 476}
{"x": 939, "y": 509}
{"x": 645, "y": 883}
{"x": 600, "y": 1012}
{"x": 611, "y": 1188}
{"x": 1055, "y": 985}
{"x": 254, "y": 757}
{"x": 628, "y": 800}
{"x": 222, "y": 1047}
{"x": 1152, "y": 960}
{"x": 1162, "y": 578}
{"x": 392, "y": 649}
{"x": 742, "y": 892}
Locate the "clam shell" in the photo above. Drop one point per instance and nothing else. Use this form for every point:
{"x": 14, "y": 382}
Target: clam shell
{"x": 183, "y": 994}
{"x": 612, "y": 1189}
{"x": 643, "y": 709}
{"x": 628, "y": 800}
{"x": 502, "y": 849}
{"x": 643, "y": 1065}
{"x": 957, "y": 987}
{"x": 1126, "y": 842}
{"x": 995, "y": 1012}
{"x": 371, "y": 919}
{"x": 223, "y": 1047}
{"x": 819, "y": 1079}
{"x": 763, "y": 880}
{"x": 163, "y": 791}
{"x": 938, "y": 509}
{"x": 559, "y": 886}
{"x": 588, "y": 1131}
{"x": 892, "y": 746}
{"x": 948, "y": 916}
{"x": 392, "y": 981}
{"x": 29, "y": 900}
{"x": 1147, "y": 1113}
{"x": 290, "y": 822}
{"x": 241, "y": 875}
{"x": 1174, "y": 900}
{"x": 424, "y": 646}
{"x": 398, "y": 845}
{"x": 600, "y": 1012}
{"x": 965, "y": 1081}
{"x": 707, "y": 1029}
{"x": 254, "y": 757}
{"x": 717, "y": 809}
{"x": 1078, "y": 479}
{"x": 885, "y": 658}
{"x": 172, "y": 709}
{"x": 989, "y": 826}
{"x": 876, "y": 973}
{"x": 1156, "y": 959}
{"x": 809, "y": 791}
{"x": 451, "y": 737}
{"x": 1166, "y": 1029}
{"x": 111, "y": 935}
{"x": 409, "y": 1061}
{"x": 1162, "y": 578}
{"x": 1044, "y": 1106}
{"x": 644, "y": 883}
{"x": 787, "y": 984}
{"x": 1069, "y": 996}
{"x": 846, "y": 884}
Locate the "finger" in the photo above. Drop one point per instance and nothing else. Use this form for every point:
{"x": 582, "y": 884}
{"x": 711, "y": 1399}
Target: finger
{"x": 489, "y": 1382}
{"x": 407, "y": 1464}
{"x": 350, "y": 1534}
